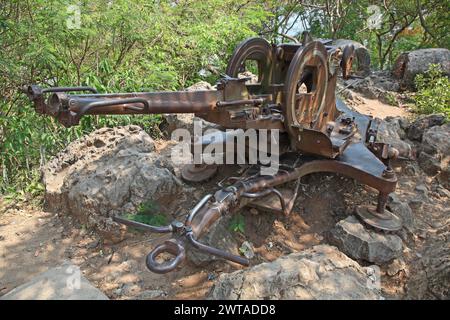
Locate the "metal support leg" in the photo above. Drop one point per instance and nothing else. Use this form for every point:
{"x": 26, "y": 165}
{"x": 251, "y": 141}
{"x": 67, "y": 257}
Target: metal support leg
{"x": 379, "y": 217}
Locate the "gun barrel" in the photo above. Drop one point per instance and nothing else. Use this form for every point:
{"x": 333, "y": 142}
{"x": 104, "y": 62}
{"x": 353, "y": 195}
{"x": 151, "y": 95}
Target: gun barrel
{"x": 69, "y": 109}
{"x": 158, "y": 102}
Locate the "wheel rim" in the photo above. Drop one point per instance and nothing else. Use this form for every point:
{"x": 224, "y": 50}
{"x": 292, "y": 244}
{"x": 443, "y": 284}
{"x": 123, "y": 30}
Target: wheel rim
{"x": 256, "y": 49}
{"x": 347, "y": 61}
{"x": 304, "y": 110}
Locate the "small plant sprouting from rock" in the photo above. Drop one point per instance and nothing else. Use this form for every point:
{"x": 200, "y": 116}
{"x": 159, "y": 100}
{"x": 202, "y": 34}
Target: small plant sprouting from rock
{"x": 433, "y": 92}
{"x": 237, "y": 224}
{"x": 149, "y": 213}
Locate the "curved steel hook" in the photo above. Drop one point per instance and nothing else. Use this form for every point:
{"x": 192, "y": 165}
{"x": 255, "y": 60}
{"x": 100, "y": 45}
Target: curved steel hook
{"x": 171, "y": 246}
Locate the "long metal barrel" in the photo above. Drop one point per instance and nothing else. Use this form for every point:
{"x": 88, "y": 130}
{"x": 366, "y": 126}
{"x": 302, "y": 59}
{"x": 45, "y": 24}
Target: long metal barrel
{"x": 155, "y": 102}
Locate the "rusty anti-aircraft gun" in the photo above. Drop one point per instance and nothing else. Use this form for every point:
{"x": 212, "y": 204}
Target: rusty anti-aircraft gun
{"x": 295, "y": 94}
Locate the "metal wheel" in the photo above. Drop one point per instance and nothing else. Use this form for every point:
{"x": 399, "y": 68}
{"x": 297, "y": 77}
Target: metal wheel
{"x": 347, "y": 61}
{"x": 257, "y": 49}
{"x": 305, "y": 89}
{"x": 198, "y": 172}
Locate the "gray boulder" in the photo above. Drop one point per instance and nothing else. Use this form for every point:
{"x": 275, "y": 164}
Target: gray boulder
{"x": 409, "y": 64}
{"x": 64, "y": 282}
{"x": 434, "y": 157}
{"x": 392, "y": 131}
{"x": 418, "y": 127}
{"x": 352, "y": 238}
{"x": 402, "y": 210}
{"x": 322, "y": 272}
{"x": 431, "y": 279}
{"x": 436, "y": 140}
{"x": 173, "y": 121}
{"x": 429, "y": 164}
{"x": 110, "y": 171}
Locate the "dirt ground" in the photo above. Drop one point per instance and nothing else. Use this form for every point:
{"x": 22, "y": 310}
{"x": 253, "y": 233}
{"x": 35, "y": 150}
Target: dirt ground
{"x": 32, "y": 241}
{"x": 376, "y": 108}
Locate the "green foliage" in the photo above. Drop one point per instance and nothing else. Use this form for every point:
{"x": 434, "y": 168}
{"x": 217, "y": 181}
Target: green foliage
{"x": 154, "y": 220}
{"x": 121, "y": 46}
{"x": 148, "y": 207}
{"x": 237, "y": 223}
{"x": 149, "y": 213}
{"x": 433, "y": 92}
{"x": 404, "y": 25}
{"x": 391, "y": 99}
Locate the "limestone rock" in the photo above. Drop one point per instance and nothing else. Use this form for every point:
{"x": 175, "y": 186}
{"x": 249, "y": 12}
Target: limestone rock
{"x": 422, "y": 191}
{"x": 350, "y": 236}
{"x": 391, "y": 131}
{"x": 402, "y": 210}
{"x": 247, "y": 250}
{"x": 432, "y": 280}
{"x": 150, "y": 295}
{"x": 110, "y": 171}
{"x": 61, "y": 283}
{"x": 437, "y": 140}
{"x": 322, "y": 272}
{"x": 248, "y": 74}
{"x": 418, "y": 127}
{"x": 434, "y": 157}
{"x": 396, "y": 266}
{"x": 201, "y": 85}
{"x": 173, "y": 121}
{"x": 429, "y": 164}
{"x": 409, "y": 64}
{"x": 379, "y": 85}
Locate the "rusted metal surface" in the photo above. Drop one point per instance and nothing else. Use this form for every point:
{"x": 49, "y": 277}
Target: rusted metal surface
{"x": 198, "y": 172}
{"x": 295, "y": 94}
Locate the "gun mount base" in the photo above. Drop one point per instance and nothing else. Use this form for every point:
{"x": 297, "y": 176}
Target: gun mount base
{"x": 294, "y": 97}
{"x": 198, "y": 172}
{"x": 386, "y": 221}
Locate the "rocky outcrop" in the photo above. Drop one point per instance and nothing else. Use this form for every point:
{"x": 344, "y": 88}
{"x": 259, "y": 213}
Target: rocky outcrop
{"x": 392, "y": 131}
{"x": 409, "y": 64}
{"x": 110, "y": 171}
{"x": 432, "y": 279}
{"x": 352, "y": 238}
{"x": 322, "y": 272}
{"x": 403, "y": 211}
{"x": 418, "y": 127}
{"x": 378, "y": 85}
{"x": 434, "y": 157}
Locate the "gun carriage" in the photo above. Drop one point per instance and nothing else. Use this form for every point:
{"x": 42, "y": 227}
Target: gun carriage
{"x": 294, "y": 94}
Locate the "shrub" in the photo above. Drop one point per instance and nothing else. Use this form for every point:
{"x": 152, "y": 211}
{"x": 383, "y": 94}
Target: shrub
{"x": 120, "y": 46}
{"x": 433, "y": 92}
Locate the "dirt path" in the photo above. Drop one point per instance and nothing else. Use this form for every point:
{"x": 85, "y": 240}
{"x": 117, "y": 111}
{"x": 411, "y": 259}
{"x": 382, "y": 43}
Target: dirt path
{"x": 376, "y": 108}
